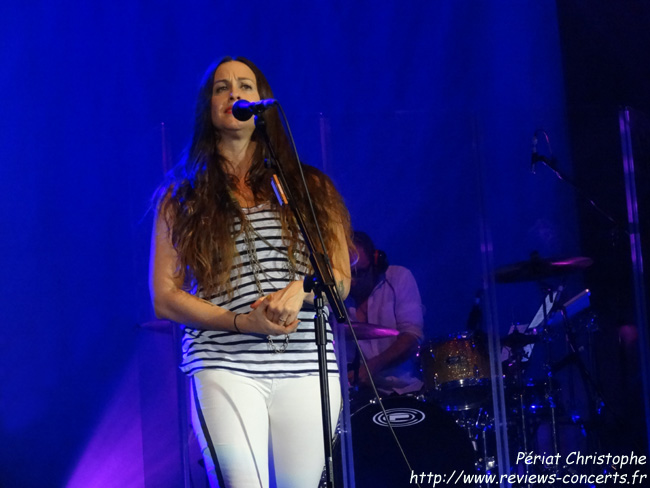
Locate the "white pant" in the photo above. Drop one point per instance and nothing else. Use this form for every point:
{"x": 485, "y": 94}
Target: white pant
{"x": 241, "y": 418}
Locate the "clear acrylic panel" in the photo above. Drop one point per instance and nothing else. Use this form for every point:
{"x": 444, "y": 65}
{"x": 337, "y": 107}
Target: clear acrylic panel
{"x": 455, "y": 200}
{"x": 634, "y": 127}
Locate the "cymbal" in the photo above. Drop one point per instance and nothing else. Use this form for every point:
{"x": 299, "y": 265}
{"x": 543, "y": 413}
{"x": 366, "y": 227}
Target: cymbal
{"x": 537, "y": 268}
{"x": 364, "y": 330}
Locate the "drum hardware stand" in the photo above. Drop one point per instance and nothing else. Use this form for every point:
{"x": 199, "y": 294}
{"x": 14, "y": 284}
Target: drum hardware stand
{"x": 548, "y": 294}
{"x": 489, "y": 462}
{"x": 519, "y": 354}
{"x": 476, "y": 423}
{"x": 478, "y": 430}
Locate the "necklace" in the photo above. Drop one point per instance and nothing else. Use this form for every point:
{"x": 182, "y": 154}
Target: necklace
{"x": 258, "y": 270}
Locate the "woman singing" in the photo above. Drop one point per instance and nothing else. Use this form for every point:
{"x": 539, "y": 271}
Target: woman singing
{"x": 227, "y": 262}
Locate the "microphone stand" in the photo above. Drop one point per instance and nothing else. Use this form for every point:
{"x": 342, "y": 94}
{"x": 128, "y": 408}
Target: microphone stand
{"x": 551, "y": 163}
{"x": 321, "y": 283}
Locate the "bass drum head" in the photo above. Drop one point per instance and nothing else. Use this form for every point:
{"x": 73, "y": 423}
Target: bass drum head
{"x": 431, "y": 439}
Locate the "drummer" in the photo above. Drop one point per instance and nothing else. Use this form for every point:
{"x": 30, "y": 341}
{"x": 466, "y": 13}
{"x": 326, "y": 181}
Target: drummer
{"x": 386, "y": 296}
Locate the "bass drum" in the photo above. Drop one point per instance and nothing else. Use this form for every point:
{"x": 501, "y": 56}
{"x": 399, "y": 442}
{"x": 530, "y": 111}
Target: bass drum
{"x": 431, "y": 439}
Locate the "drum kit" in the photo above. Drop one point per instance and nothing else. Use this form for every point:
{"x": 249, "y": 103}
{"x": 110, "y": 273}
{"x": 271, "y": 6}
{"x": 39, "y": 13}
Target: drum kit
{"x": 450, "y": 424}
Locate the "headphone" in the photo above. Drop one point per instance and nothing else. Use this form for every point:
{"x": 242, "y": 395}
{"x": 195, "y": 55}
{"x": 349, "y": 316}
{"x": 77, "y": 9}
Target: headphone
{"x": 379, "y": 261}
{"x": 377, "y": 257}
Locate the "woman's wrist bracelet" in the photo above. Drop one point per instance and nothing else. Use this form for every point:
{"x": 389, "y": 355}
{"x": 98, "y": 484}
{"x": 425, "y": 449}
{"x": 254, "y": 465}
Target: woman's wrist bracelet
{"x": 234, "y": 322}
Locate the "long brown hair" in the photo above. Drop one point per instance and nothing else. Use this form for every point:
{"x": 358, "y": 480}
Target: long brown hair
{"x": 197, "y": 204}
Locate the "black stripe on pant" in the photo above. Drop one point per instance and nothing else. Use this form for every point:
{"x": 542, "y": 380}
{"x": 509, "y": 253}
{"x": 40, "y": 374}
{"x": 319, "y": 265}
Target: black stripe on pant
{"x": 206, "y": 434}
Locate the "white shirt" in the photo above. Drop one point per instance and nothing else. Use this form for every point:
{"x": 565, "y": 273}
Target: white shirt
{"x": 394, "y": 303}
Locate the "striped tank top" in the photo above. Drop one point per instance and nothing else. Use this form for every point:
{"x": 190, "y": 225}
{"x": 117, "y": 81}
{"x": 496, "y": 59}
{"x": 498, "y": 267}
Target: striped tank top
{"x": 252, "y": 354}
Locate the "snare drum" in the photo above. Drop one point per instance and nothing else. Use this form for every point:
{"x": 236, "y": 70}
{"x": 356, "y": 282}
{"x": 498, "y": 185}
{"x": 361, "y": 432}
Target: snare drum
{"x": 431, "y": 439}
{"x": 456, "y": 371}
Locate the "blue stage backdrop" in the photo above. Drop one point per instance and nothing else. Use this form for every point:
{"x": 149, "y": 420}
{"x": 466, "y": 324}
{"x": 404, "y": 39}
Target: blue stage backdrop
{"x": 404, "y": 104}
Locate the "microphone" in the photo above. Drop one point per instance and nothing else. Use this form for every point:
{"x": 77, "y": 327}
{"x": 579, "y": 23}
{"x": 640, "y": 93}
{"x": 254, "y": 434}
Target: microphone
{"x": 244, "y": 110}
{"x": 533, "y": 158}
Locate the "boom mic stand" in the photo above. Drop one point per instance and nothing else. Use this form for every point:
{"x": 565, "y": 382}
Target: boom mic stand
{"x": 551, "y": 163}
{"x": 321, "y": 283}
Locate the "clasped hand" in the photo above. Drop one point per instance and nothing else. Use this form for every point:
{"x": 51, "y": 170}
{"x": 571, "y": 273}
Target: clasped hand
{"x": 276, "y": 313}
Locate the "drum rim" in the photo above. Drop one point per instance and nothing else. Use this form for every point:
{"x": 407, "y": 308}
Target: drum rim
{"x": 465, "y": 334}
{"x": 373, "y": 401}
{"x": 463, "y": 383}
{"x": 457, "y": 406}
